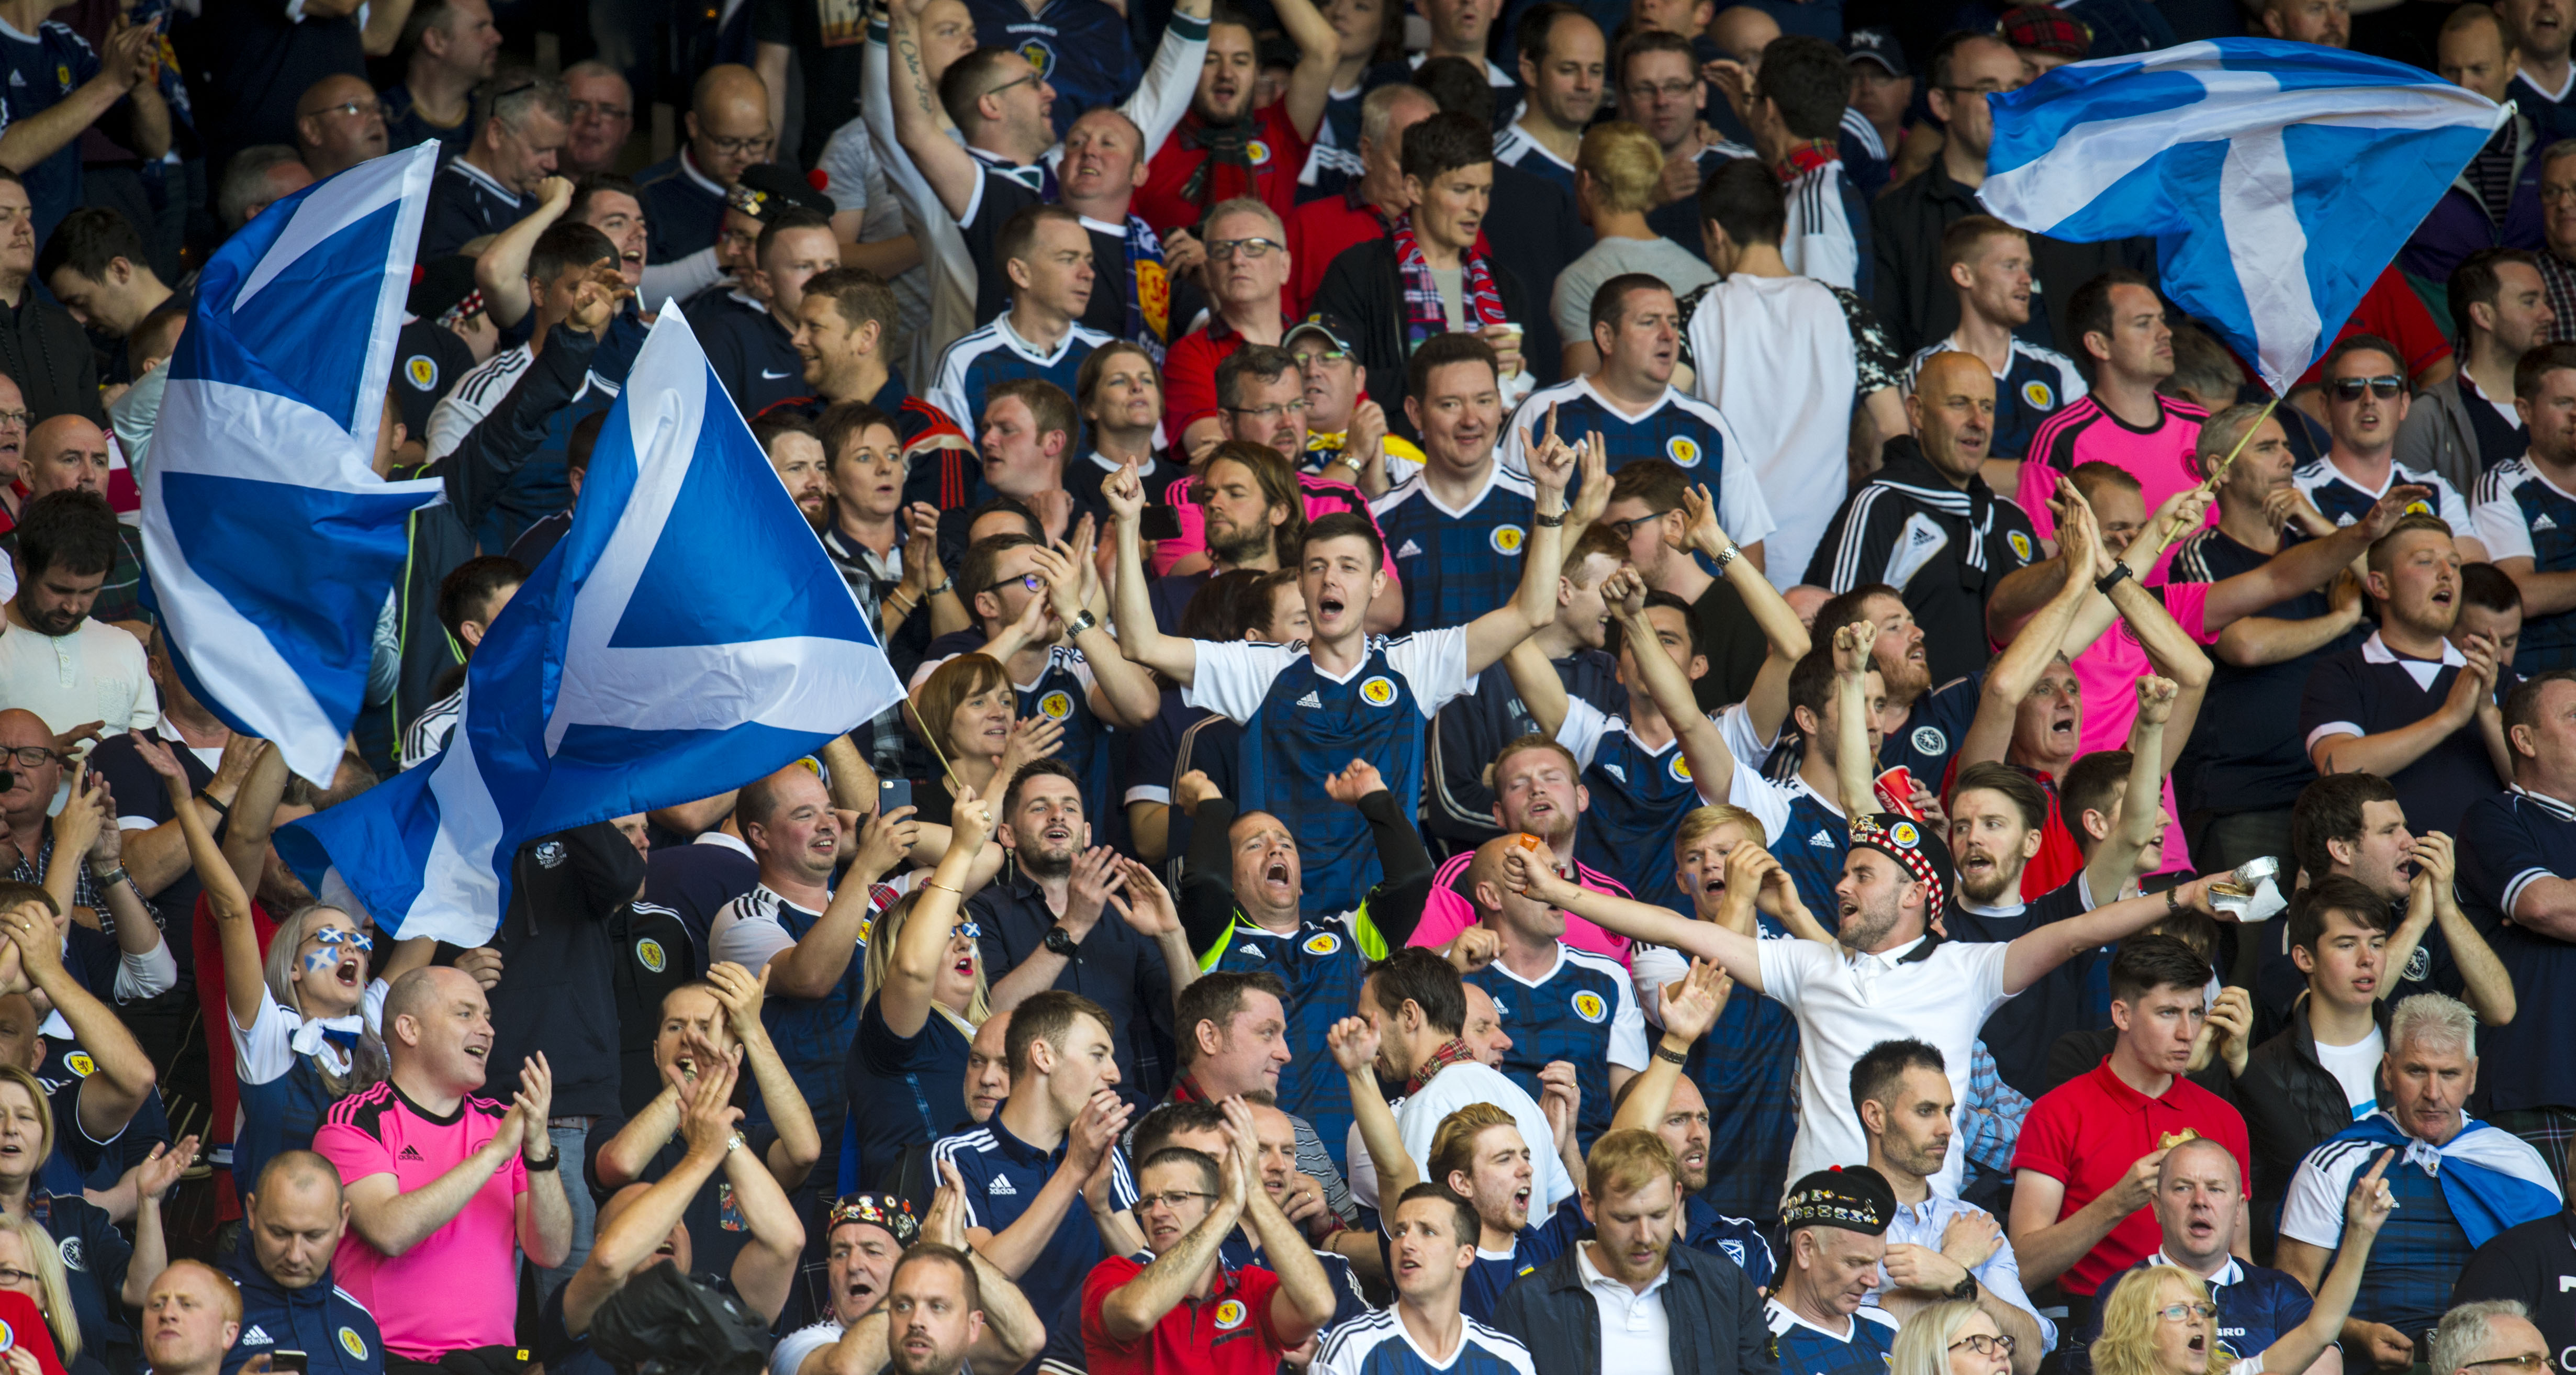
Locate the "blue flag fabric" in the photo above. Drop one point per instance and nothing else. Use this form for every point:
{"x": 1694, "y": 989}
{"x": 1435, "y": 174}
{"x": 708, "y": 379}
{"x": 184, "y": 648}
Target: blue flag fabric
{"x": 270, "y": 541}
{"x": 2489, "y": 1176}
{"x": 687, "y": 635}
{"x": 2277, "y": 178}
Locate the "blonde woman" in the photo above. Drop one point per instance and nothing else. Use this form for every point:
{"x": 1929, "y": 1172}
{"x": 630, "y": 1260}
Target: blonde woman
{"x": 922, "y": 999}
{"x": 31, "y": 1265}
{"x": 1952, "y": 1337}
{"x": 2160, "y": 1320}
{"x": 113, "y": 1276}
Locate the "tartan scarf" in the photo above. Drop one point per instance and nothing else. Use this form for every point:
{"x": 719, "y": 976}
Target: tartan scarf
{"x": 1227, "y": 171}
{"x": 1149, "y": 290}
{"x": 1457, "y": 1052}
{"x": 1425, "y": 313}
{"x": 1805, "y": 158}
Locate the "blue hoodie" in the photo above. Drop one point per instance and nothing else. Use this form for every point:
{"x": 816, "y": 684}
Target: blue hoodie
{"x": 335, "y": 1332}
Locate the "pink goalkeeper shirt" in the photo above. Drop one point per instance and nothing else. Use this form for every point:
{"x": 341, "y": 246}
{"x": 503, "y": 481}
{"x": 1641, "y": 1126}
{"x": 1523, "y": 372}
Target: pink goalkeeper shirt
{"x": 459, "y": 1288}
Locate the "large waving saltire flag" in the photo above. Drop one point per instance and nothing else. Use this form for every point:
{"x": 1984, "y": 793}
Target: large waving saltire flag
{"x": 687, "y": 635}
{"x": 270, "y": 542}
{"x": 2277, "y": 178}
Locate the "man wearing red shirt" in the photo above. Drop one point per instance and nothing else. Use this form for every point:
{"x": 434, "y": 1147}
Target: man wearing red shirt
{"x": 1321, "y": 229}
{"x": 2086, "y": 1162}
{"x": 1225, "y": 148}
{"x": 1185, "y": 1313}
{"x": 1247, "y": 264}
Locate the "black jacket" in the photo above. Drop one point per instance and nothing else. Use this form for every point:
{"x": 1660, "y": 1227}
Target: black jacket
{"x": 1914, "y": 297}
{"x": 1365, "y": 287}
{"x": 2291, "y": 1103}
{"x": 45, "y": 352}
{"x": 1714, "y": 1312}
{"x": 559, "y": 966}
{"x": 442, "y": 537}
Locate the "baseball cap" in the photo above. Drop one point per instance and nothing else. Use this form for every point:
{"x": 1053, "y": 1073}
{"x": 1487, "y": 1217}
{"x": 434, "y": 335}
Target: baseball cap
{"x": 1877, "y": 45}
{"x": 1335, "y": 330}
{"x": 2048, "y": 29}
{"x": 766, "y": 188}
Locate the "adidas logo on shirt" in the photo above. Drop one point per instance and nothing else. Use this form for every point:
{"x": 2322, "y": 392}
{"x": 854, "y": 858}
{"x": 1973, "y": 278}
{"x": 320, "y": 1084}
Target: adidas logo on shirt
{"x": 1312, "y": 699}
{"x": 1000, "y": 1186}
{"x": 1409, "y": 551}
{"x": 2542, "y": 522}
{"x": 257, "y": 1336}
{"x": 409, "y": 1153}
{"x": 1821, "y": 840}
{"x": 1923, "y": 535}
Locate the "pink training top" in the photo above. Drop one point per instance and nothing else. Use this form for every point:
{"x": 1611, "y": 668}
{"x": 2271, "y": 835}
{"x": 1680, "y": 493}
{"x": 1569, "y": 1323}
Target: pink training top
{"x": 2160, "y": 459}
{"x": 459, "y": 1287}
{"x": 1447, "y": 911}
{"x": 2107, "y": 672}
{"x": 1322, "y": 499}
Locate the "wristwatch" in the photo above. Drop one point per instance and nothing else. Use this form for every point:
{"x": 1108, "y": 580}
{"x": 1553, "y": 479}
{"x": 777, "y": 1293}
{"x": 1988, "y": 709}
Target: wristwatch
{"x": 2107, "y": 581}
{"x": 1967, "y": 1288}
{"x": 1080, "y": 623}
{"x": 1061, "y": 942}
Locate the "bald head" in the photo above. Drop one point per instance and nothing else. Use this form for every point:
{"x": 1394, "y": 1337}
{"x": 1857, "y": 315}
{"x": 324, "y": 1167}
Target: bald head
{"x": 339, "y": 124}
{"x": 65, "y": 452}
{"x": 1743, "y": 31}
{"x": 296, "y": 1218}
{"x": 2198, "y": 1154}
{"x": 414, "y": 993}
{"x": 297, "y": 1172}
{"x": 728, "y": 122}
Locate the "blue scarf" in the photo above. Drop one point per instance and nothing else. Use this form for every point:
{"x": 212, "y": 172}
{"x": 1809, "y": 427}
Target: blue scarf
{"x": 2489, "y": 1176}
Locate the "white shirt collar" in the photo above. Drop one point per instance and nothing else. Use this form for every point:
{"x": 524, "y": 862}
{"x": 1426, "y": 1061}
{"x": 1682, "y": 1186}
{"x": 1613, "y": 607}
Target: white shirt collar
{"x": 2376, "y": 651}
{"x": 2230, "y": 1273}
{"x": 1594, "y": 1279}
{"x": 689, "y": 169}
{"x": 1021, "y": 346}
{"x": 729, "y": 842}
{"x": 492, "y": 183}
{"x": 2565, "y": 811}
{"x": 1885, "y": 960}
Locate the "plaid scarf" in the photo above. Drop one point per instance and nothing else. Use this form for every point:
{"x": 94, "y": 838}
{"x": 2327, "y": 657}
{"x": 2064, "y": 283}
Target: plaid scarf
{"x": 1227, "y": 171}
{"x": 1425, "y": 312}
{"x": 1457, "y": 1052}
{"x": 1805, "y": 158}
{"x": 1149, "y": 290}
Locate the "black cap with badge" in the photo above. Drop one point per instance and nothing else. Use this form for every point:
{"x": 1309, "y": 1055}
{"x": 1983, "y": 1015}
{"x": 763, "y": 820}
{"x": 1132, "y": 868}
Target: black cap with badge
{"x": 1856, "y": 1199}
{"x": 1877, "y": 45}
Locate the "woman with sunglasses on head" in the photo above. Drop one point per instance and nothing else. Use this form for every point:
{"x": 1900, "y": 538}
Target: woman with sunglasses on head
{"x": 2160, "y": 1321}
{"x": 304, "y": 1015}
{"x": 923, "y": 996}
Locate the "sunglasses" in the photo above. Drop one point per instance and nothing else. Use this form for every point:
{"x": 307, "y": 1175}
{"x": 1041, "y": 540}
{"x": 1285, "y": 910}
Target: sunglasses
{"x": 333, "y": 935}
{"x": 2385, "y": 387}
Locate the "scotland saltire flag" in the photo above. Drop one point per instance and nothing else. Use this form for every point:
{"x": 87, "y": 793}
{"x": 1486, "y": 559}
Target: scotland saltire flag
{"x": 2278, "y": 178}
{"x": 271, "y": 542}
{"x": 687, "y": 635}
{"x": 2489, "y": 1177}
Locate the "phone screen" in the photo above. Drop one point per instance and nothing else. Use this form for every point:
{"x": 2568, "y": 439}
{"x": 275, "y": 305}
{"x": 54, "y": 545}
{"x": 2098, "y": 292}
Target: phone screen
{"x": 280, "y": 1362}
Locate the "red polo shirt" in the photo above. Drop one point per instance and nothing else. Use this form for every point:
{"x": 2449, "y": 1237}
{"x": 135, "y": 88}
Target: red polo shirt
{"x": 2088, "y": 1131}
{"x": 1317, "y": 234}
{"x": 1226, "y": 1333}
{"x": 1189, "y": 374}
{"x": 1278, "y": 154}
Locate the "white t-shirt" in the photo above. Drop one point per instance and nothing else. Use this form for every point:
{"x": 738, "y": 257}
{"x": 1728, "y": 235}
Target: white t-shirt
{"x": 1234, "y": 676}
{"x": 1418, "y": 1118}
{"x": 2356, "y": 1067}
{"x": 1847, "y": 1002}
{"x": 1754, "y": 340}
{"x": 96, "y": 673}
{"x": 789, "y": 1355}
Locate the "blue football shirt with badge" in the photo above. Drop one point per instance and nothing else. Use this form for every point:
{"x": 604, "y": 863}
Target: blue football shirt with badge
{"x": 1079, "y": 47}
{"x": 1679, "y": 427}
{"x": 2034, "y": 385}
{"x": 1457, "y": 565}
{"x": 1582, "y": 1011}
{"x": 44, "y": 68}
{"x": 2521, "y": 514}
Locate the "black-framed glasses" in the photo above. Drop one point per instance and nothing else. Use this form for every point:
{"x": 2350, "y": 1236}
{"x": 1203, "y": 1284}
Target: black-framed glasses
{"x": 1270, "y": 412}
{"x": 1030, "y": 80}
{"x": 586, "y": 109}
{"x": 11, "y": 1276}
{"x": 21, "y": 419}
{"x": 1031, "y": 581}
{"x": 1627, "y": 529}
{"x": 34, "y": 756}
{"x": 1985, "y": 1344}
{"x": 1171, "y": 1199}
{"x": 739, "y": 147}
{"x": 1223, "y": 250}
{"x": 2386, "y": 387}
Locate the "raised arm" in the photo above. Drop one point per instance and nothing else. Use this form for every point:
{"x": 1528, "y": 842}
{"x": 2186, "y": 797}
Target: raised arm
{"x": 2034, "y": 953}
{"x": 800, "y": 1144}
{"x": 1767, "y": 703}
{"x": 1134, "y": 1309}
{"x": 810, "y": 967}
{"x": 2034, "y": 646}
{"x": 124, "y": 1075}
{"x": 636, "y": 1234}
{"x": 2488, "y": 986}
{"x": 1123, "y": 693}
{"x": 2364, "y": 1211}
{"x": 2256, "y": 641}
{"x": 245, "y": 982}
{"x": 1853, "y": 764}
{"x": 394, "y": 1220}
{"x": 1318, "y": 52}
{"x": 903, "y": 1000}
{"x": 2115, "y": 859}
{"x": 1690, "y": 1008}
{"x": 1354, "y": 1044}
{"x": 1138, "y": 638}
{"x": 763, "y": 1270}
{"x": 1533, "y": 605}
{"x": 2171, "y": 650}
{"x": 1738, "y": 954}
{"x": 918, "y": 122}
{"x": 501, "y": 269}
{"x": 254, "y": 818}
{"x": 1303, "y": 1302}
{"x": 2308, "y": 565}
{"x": 1088, "y": 1145}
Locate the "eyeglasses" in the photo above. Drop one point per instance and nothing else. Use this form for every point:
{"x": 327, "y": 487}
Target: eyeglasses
{"x": 738, "y": 147}
{"x": 1627, "y": 529}
{"x": 34, "y": 756}
{"x": 1222, "y": 250}
{"x": 2386, "y": 387}
{"x": 1031, "y": 581}
{"x": 1984, "y": 88}
{"x": 2185, "y": 1312}
{"x": 1985, "y": 1344}
{"x": 1172, "y": 1200}
{"x": 353, "y": 109}
{"x": 12, "y": 1276}
{"x": 1322, "y": 356}
{"x": 1669, "y": 90}
{"x": 333, "y": 935}
{"x": 1030, "y": 80}
{"x": 1271, "y": 412}
{"x": 21, "y": 419}
{"x": 2525, "y": 1361}
{"x": 592, "y": 109}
